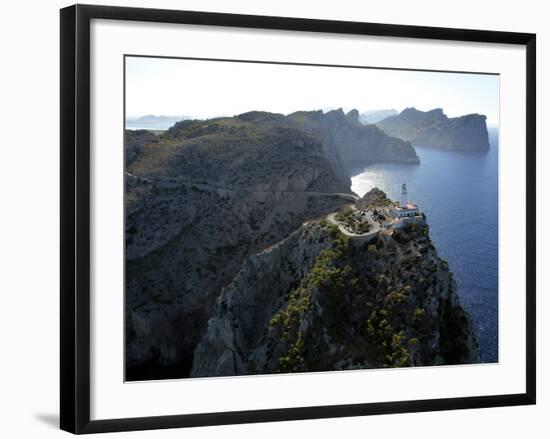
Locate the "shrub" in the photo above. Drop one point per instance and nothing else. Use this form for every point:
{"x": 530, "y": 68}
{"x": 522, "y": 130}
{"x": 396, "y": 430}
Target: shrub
{"x": 418, "y": 313}
{"x": 363, "y": 227}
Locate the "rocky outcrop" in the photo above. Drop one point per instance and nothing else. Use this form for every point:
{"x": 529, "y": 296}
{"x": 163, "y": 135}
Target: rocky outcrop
{"x": 320, "y": 301}
{"x": 373, "y": 198}
{"x": 434, "y": 129}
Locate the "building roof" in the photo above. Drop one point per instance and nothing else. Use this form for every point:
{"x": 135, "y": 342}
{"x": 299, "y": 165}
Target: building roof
{"x": 409, "y": 206}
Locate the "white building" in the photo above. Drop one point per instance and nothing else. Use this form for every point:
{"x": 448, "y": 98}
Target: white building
{"x": 405, "y": 208}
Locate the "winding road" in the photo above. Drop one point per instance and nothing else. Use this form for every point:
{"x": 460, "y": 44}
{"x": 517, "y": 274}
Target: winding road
{"x": 182, "y": 181}
{"x": 331, "y": 218}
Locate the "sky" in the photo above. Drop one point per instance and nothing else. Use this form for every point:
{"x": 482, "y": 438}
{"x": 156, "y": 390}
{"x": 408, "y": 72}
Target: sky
{"x": 203, "y": 89}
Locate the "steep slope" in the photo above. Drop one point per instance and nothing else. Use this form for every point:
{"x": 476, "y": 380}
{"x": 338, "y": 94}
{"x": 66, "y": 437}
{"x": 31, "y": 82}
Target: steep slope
{"x": 199, "y": 201}
{"x": 349, "y": 144}
{"x": 434, "y": 129}
{"x": 320, "y": 301}
{"x": 205, "y": 195}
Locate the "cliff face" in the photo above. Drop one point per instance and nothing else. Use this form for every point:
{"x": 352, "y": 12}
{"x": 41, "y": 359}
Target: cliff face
{"x": 347, "y": 143}
{"x": 206, "y": 195}
{"x": 434, "y": 129}
{"x": 320, "y": 301}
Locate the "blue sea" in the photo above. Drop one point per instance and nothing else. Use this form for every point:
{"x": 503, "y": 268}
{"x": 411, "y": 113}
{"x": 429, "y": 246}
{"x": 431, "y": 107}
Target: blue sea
{"x": 458, "y": 192}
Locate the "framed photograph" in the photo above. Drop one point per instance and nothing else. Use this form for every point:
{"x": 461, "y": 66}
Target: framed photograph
{"x": 268, "y": 218}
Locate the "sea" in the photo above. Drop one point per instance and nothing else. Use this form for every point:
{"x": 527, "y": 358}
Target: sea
{"x": 458, "y": 192}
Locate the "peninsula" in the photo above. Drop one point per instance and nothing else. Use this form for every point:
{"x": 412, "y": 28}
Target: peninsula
{"x": 327, "y": 298}
{"x": 435, "y": 130}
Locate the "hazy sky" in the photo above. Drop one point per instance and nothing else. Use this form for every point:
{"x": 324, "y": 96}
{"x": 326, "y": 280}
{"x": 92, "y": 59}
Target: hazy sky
{"x": 204, "y": 89}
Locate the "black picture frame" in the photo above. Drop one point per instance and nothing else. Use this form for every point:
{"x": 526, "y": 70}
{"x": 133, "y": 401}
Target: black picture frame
{"x": 75, "y": 217}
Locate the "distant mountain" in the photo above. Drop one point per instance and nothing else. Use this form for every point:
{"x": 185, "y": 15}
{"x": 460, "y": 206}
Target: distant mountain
{"x": 347, "y": 143}
{"x": 374, "y": 116}
{"x": 434, "y": 129}
{"x": 150, "y": 121}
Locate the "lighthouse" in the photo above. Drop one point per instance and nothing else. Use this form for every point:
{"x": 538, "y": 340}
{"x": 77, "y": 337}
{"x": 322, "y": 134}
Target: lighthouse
{"x": 404, "y": 197}
{"x": 405, "y": 209}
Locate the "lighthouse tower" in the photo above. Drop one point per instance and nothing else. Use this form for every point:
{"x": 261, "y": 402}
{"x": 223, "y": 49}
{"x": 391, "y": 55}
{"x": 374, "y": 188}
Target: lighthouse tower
{"x": 405, "y": 209}
{"x": 404, "y": 197}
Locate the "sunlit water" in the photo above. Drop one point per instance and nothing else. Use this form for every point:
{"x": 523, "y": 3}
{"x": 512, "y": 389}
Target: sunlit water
{"x": 458, "y": 192}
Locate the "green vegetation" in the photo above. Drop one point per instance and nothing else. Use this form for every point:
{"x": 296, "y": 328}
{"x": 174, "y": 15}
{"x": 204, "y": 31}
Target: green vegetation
{"x": 348, "y": 218}
{"x": 188, "y": 129}
{"x": 363, "y": 227}
{"x": 399, "y": 355}
{"x": 381, "y": 320}
{"x": 331, "y": 276}
{"x": 385, "y": 324}
{"x": 418, "y": 314}
{"x": 411, "y": 231}
{"x": 235, "y": 153}
{"x": 289, "y": 320}
{"x": 345, "y": 216}
{"x": 323, "y": 223}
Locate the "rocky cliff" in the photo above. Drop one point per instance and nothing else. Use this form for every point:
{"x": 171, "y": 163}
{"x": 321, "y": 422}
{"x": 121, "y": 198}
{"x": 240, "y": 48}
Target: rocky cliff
{"x": 319, "y": 301}
{"x": 434, "y": 129}
{"x": 349, "y": 144}
{"x": 206, "y": 195}
{"x": 199, "y": 200}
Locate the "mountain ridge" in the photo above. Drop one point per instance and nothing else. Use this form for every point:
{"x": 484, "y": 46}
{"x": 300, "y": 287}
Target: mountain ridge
{"x": 436, "y": 130}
